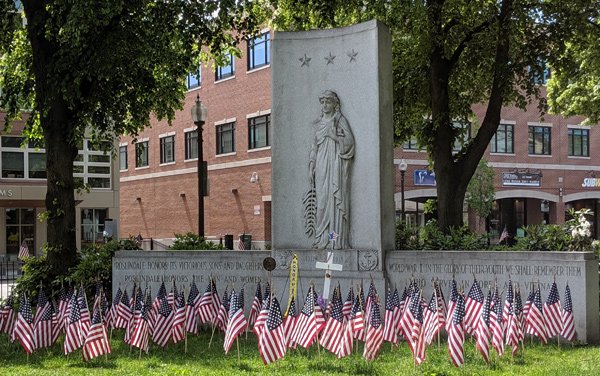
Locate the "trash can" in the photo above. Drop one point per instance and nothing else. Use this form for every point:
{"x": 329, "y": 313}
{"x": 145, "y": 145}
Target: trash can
{"x": 245, "y": 241}
{"x": 228, "y": 241}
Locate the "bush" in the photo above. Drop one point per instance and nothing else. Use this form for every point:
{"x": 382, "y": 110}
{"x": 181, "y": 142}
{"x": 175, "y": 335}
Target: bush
{"x": 191, "y": 241}
{"x": 432, "y": 237}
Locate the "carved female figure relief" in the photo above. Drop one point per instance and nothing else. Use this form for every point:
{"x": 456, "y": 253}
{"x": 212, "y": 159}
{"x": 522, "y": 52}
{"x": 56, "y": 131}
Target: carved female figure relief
{"x": 327, "y": 202}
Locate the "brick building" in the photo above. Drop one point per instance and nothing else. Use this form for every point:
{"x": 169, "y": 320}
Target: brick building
{"x": 543, "y": 165}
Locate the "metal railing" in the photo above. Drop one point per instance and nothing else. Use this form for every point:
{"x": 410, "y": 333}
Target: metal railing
{"x": 10, "y": 270}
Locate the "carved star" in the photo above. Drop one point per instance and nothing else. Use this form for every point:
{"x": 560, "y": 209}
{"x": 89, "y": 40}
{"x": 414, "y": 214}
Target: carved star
{"x": 352, "y": 55}
{"x": 329, "y": 58}
{"x": 305, "y": 60}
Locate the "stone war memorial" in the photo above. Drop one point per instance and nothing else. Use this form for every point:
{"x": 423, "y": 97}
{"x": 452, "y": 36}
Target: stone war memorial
{"x": 332, "y": 196}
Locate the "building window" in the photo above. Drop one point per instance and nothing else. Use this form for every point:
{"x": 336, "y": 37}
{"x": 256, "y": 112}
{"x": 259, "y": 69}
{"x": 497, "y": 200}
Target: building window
{"x": 259, "y": 51}
{"x": 22, "y": 162}
{"x": 92, "y": 225}
{"x": 503, "y": 139}
{"x": 141, "y": 154}
{"x": 93, "y": 164}
{"x": 225, "y": 138}
{"x": 123, "y": 157}
{"x": 463, "y": 137}
{"x": 541, "y": 72}
{"x": 227, "y": 70}
{"x": 579, "y": 142}
{"x": 191, "y": 145}
{"x": 20, "y": 226}
{"x": 539, "y": 140}
{"x": 259, "y": 132}
{"x": 167, "y": 149}
{"x": 411, "y": 144}
{"x": 194, "y": 79}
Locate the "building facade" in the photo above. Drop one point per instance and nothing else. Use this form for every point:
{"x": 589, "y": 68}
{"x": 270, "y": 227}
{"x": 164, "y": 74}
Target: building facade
{"x": 544, "y": 165}
{"x": 23, "y": 193}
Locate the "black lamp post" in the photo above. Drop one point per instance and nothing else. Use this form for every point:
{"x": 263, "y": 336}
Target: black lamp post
{"x": 403, "y": 166}
{"x": 199, "y": 115}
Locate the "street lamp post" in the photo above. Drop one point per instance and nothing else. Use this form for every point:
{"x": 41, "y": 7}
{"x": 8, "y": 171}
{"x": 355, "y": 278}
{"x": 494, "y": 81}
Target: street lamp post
{"x": 403, "y": 166}
{"x": 199, "y": 115}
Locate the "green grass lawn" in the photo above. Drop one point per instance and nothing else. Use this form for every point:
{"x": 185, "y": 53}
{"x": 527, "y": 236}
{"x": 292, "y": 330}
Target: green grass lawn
{"x": 200, "y": 360}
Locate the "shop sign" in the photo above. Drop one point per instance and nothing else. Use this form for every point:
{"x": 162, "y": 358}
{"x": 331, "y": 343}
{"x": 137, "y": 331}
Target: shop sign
{"x": 591, "y": 183}
{"x": 424, "y": 177}
{"x": 521, "y": 179}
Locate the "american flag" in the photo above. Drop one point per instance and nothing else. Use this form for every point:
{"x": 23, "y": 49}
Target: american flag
{"x": 45, "y": 332}
{"x": 96, "y": 341}
{"x": 256, "y": 305}
{"x": 357, "y": 319}
{"x": 153, "y": 315}
{"x": 568, "y": 325}
{"x": 496, "y": 323}
{"x": 331, "y": 335}
{"x": 267, "y": 294}
{"x": 406, "y": 319}
{"x": 483, "y": 334}
{"x": 261, "y": 319}
{"x": 347, "y": 307}
{"x": 441, "y": 301}
{"x": 136, "y": 313}
{"x": 241, "y": 245}
{"x": 209, "y": 304}
{"x": 371, "y": 295}
{"x": 271, "y": 343}
{"x": 23, "y": 250}
{"x": 519, "y": 314}
{"x": 451, "y": 303}
{"x": 23, "y": 330}
{"x": 123, "y": 312}
{"x": 389, "y": 330}
{"x": 508, "y": 303}
{"x": 431, "y": 320}
{"x": 528, "y": 303}
{"x": 84, "y": 311}
{"x": 289, "y": 324}
{"x": 456, "y": 334}
{"x": 552, "y": 313}
{"x": 307, "y": 328}
{"x": 397, "y": 313}
{"x": 374, "y": 336}
{"x": 333, "y": 236}
{"x": 512, "y": 330}
{"x": 412, "y": 325}
{"x": 8, "y": 316}
{"x": 223, "y": 313}
{"x": 164, "y": 322}
{"x": 503, "y": 235}
{"x": 63, "y": 308}
{"x": 73, "y": 337}
{"x": 535, "y": 323}
{"x": 141, "y": 331}
{"x": 473, "y": 306}
{"x": 237, "y": 321}
{"x": 179, "y": 318}
{"x": 112, "y": 312}
{"x": 191, "y": 325}
{"x": 41, "y": 305}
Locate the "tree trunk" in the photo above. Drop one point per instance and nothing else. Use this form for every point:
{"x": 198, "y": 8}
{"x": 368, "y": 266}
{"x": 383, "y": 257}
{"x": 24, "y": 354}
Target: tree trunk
{"x": 58, "y": 121}
{"x": 451, "y": 190}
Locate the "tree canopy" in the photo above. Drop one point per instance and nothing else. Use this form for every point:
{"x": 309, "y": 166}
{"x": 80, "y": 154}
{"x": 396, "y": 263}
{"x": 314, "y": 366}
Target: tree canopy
{"x": 103, "y": 68}
{"x": 449, "y": 55}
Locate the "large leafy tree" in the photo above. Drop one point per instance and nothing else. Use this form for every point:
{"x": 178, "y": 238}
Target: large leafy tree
{"x": 102, "y": 67}
{"x": 449, "y": 55}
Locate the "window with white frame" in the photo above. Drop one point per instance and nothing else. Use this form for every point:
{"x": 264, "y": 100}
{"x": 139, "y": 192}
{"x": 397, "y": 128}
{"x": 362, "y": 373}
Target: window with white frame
{"x": 411, "y": 144}
{"x": 194, "y": 79}
{"x": 191, "y": 144}
{"x": 20, "y": 226}
{"x": 259, "y": 132}
{"x": 92, "y": 225}
{"x": 141, "y": 154}
{"x": 92, "y": 165}
{"x": 226, "y": 138}
{"x": 227, "y": 70}
{"x": 259, "y": 51}
{"x": 540, "y": 140}
{"x": 503, "y": 139}
{"x": 579, "y": 142}
{"x": 167, "y": 149}
{"x": 464, "y": 135}
{"x": 123, "y": 157}
{"x": 22, "y": 161}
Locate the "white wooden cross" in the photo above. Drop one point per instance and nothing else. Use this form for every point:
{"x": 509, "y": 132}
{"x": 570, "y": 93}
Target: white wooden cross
{"x": 328, "y": 266}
